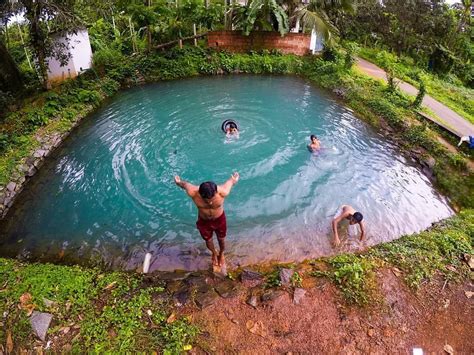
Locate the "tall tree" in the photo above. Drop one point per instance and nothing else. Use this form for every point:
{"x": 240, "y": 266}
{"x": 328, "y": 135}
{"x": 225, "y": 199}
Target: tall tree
{"x": 10, "y": 77}
{"x": 44, "y": 18}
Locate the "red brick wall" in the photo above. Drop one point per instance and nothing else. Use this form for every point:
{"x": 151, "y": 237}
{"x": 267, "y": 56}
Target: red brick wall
{"x": 234, "y": 41}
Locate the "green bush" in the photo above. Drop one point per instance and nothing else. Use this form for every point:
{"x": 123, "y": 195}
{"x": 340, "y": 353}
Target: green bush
{"x": 6, "y": 99}
{"x": 353, "y": 275}
{"x": 106, "y": 59}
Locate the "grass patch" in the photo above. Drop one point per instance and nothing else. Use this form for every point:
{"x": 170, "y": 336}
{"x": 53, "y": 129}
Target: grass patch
{"x": 105, "y": 312}
{"x": 353, "y": 275}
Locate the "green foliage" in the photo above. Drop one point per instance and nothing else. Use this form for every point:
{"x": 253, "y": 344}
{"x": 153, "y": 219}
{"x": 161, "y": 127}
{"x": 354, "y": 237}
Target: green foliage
{"x": 113, "y": 311}
{"x": 419, "y": 257}
{"x": 6, "y": 99}
{"x": 296, "y": 279}
{"x": 436, "y": 37}
{"x": 263, "y": 15}
{"x": 272, "y": 279}
{"x": 422, "y": 255}
{"x": 330, "y": 53}
{"x": 353, "y": 275}
{"x": 421, "y": 94}
{"x": 352, "y": 49}
{"x": 107, "y": 59}
{"x": 447, "y": 90}
{"x": 36, "y": 118}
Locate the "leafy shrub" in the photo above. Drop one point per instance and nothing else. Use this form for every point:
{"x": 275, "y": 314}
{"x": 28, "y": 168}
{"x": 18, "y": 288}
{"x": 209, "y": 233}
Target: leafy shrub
{"x": 88, "y": 96}
{"x": 5, "y": 100}
{"x": 422, "y": 255}
{"x": 353, "y": 275}
{"x": 387, "y": 110}
{"x": 107, "y": 59}
{"x": 351, "y": 51}
{"x": 330, "y": 53}
{"x": 4, "y": 141}
{"x": 36, "y": 118}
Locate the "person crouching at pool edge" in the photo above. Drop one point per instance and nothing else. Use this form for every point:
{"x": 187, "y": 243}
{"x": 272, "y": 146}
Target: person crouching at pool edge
{"x": 349, "y": 213}
{"x": 315, "y": 143}
{"x": 209, "y": 200}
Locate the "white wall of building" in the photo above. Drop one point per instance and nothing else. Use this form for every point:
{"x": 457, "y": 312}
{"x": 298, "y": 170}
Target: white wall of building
{"x": 81, "y": 57}
{"x": 81, "y": 51}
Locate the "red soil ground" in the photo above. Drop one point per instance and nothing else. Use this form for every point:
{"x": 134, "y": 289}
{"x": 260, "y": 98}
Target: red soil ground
{"x": 436, "y": 315}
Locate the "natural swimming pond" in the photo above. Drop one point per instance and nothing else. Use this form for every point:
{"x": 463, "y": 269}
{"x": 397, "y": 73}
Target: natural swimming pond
{"x": 107, "y": 194}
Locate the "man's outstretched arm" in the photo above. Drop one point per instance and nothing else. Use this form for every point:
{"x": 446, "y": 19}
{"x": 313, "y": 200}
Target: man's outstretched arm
{"x": 225, "y": 188}
{"x": 186, "y": 186}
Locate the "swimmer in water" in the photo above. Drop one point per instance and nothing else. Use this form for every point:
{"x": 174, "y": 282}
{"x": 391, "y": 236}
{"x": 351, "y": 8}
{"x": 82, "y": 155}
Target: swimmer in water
{"x": 231, "y": 130}
{"x": 349, "y": 213}
{"x": 209, "y": 200}
{"x": 315, "y": 144}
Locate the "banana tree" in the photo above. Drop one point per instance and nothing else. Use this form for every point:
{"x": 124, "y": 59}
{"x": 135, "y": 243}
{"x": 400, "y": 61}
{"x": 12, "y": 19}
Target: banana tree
{"x": 263, "y": 15}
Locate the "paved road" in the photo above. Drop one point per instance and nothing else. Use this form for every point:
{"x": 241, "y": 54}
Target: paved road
{"x": 450, "y": 119}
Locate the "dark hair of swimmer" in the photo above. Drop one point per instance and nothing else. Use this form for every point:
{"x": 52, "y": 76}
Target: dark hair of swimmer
{"x": 232, "y": 125}
{"x": 207, "y": 189}
{"x": 357, "y": 216}
{"x": 312, "y": 137}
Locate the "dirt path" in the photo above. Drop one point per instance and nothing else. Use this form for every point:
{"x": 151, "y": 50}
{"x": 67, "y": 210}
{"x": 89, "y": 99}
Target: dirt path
{"x": 449, "y": 119}
{"x": 430, "y": 319}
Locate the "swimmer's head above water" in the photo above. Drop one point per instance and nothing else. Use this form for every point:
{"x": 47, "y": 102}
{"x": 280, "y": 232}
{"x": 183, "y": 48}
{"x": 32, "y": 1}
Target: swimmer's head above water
{"x": 232, "y": 128}
{"x": 315, "y": 144}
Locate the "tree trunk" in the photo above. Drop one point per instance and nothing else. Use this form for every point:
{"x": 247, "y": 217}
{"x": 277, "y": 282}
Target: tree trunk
{"x": 10, "y": 77}
{"x": 37, "y": 38}
{"x": 148, "y": 38}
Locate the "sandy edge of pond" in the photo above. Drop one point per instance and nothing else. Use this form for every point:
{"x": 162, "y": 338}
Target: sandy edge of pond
{"x": 438, "y": 314}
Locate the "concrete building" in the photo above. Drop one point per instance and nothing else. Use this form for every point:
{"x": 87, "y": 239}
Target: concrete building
{"x": 79, "y": 48}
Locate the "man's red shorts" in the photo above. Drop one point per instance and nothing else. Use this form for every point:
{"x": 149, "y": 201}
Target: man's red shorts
{"x": 207, "y": 226}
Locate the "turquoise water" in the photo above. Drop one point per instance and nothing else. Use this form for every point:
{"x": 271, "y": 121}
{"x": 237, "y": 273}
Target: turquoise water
{"x": 108, "y": 193}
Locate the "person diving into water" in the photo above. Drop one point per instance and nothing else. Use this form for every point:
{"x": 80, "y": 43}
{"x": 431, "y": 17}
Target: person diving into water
{"x": 209, "y": 200}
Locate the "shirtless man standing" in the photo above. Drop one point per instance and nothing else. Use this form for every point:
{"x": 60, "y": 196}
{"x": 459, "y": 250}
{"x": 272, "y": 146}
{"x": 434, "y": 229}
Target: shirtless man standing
{"x": 209, "y": 200}
{"x": 349, "y": 213}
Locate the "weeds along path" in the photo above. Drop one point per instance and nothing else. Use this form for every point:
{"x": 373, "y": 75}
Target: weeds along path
{"x": 450, "y": 119}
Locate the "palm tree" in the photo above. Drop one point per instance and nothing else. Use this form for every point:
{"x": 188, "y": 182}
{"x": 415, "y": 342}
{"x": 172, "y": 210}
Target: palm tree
{"x": 315, "y": 15}
{"x": 277, "y": 14}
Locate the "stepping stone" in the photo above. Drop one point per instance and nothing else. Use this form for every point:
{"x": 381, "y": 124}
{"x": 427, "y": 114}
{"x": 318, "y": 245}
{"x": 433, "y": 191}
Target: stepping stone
{"x": 182, "y": 297}
{"x": 250, "y": 275}
{"x": 285, "y": 276}
{"x": 271, "y": 295}
{"x": 173, "y": 275}
{"x": 11, "y": 186}
{"x": 252, "y": 301}
{"x": 204, "y": 300}
{"x": 40, "y": 323}
{"x": 227, "y": 289}
{"x": 298, "y": 295}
